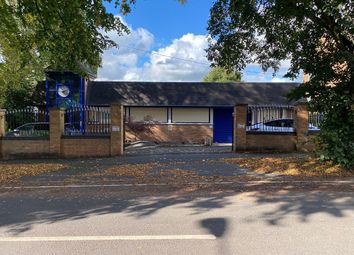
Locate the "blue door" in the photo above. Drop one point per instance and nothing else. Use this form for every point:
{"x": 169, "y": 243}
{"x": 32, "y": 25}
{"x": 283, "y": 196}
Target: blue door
{"x": 223, "y": 125}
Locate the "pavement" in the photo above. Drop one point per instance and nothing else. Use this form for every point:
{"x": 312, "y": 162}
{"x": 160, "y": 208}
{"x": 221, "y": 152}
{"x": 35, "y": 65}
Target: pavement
{"x": 203, "y": 161}
{"x": 251, "y": 215}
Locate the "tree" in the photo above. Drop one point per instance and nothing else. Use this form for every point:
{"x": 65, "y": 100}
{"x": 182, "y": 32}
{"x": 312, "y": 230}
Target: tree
{"x": 219, "y": 74}
{"x": 55, "y": 34}
{"x": 317, "y": 36}
{"x": 19, "y": 73}
{"x": 40, "y": 34}
{"x": 66, "y": 34}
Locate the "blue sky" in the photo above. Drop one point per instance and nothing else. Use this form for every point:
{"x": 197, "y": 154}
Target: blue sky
{"x": 167, "y": 43}
{"x": 168, "y": 19}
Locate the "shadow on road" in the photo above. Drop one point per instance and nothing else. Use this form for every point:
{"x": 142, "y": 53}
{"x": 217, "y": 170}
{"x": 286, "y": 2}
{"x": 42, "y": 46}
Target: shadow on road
{"x": 215, "y": 226}
{"x": 20, "y": 210}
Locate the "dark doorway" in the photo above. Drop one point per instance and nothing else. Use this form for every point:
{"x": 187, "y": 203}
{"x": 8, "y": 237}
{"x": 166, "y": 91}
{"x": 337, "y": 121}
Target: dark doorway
{"x": 222, "y": 125}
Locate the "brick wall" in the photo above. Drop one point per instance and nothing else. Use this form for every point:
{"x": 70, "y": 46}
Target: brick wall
{"x": 70, "y": 147}
{"x": 85, "y": 147}
{"x": 278, "y": 142}
{"x": 308, "y": 145}
{"x": 196, "y": 134}
{"x": 24, "y": 148}
{"x": 300, "y": 140}
{"x": 62, "y": 146}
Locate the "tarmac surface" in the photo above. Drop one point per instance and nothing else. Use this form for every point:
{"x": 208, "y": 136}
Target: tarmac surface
{"x": 252, "y": 214}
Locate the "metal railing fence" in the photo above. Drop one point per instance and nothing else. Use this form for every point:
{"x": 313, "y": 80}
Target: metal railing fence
{"x": 87, "y": 120}
{"x": 270, "y": 118}
{"x": 27, "y": 122}
{"x": 315, "y": 119}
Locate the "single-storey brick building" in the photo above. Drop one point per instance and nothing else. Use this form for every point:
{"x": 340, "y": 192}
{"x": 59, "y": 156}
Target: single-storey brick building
{"x": 190, "y": 112}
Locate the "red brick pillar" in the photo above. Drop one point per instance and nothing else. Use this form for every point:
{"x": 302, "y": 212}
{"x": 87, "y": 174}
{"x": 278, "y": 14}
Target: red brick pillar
{"x": 240, "y": 122}
{"x": 301, "y": 125}
{"x": 2, "y": 129}
{"x": 2, "y": 122}
{"x": 56, "y": 130}
{"x": 117, "y": 130}
{"x": 306, "y": 77}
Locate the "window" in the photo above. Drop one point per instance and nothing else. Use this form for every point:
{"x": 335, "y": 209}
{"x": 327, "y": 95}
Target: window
{"x": 149, "y": 113}
{"x": 190, "y": 115}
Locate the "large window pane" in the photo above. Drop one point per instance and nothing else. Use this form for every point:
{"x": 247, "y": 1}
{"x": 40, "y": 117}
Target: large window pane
{"x": 190, "y": 115}
{"x": 148, "y": 113}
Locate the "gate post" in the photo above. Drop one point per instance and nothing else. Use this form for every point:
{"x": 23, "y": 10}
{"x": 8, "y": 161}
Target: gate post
{"x": 240, "y": 122}
{"x": 56, "y": 130}
{"x": 2, "y": 129}
{"x": 2, "y": 122}
{"x": 117, "y": 130}
{"x": 301, "y": 125}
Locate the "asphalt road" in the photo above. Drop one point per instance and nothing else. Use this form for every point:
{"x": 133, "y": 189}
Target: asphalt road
{"x": 92, "y": 216}
{"x": 147, "y": 221}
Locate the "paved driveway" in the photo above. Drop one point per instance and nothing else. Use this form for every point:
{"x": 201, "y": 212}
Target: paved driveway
{"x": 158, "y": 162}
{"x": 151, "y": 164}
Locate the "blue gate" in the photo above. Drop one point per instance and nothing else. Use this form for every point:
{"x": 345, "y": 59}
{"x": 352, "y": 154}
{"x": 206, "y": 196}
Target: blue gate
{"x": 223, "y": 125}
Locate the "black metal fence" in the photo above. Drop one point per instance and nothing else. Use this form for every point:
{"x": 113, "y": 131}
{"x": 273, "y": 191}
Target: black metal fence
{"x": 270, "y": 118}
{"x": 315, "y": 119}
{"x": 27, "y": 122}
{"x": 87, "y": 120}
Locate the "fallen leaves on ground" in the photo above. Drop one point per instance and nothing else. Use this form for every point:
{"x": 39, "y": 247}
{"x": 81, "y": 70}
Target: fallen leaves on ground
{"x": 133, "y": 170}
{"x": 10, "y": 173}
{"x": 294, "y": 166}
{"x": 173, "y": 173}
{"x": 154, "y": 173}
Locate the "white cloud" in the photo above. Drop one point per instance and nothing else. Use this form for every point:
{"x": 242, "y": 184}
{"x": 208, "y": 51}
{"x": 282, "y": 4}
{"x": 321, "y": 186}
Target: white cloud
{"x": 116, "y": 62}
{"x": 279, "y": 79}
{"x": 254, "y": 73}
{"x": 182, "y": 60}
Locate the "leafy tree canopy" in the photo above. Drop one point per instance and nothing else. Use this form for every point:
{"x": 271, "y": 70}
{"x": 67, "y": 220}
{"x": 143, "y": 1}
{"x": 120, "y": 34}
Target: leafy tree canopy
{"x": 219, "y": 74}
{"x": 39, "y": 34}
{"x": 18, "y": 75}
{"x": 316, "y": 35}
{"x": 57, "y": 34}
{"x": 65, "y": 34}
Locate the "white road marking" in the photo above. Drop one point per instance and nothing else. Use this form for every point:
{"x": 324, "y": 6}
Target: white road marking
{"x": 104, "y": 238}
{"x": 74, "y": 186}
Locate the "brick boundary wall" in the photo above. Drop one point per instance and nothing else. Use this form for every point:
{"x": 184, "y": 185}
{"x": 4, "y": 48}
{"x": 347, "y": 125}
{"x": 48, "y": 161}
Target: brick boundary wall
{"x": 277, "y": 142}
{"x": 90, "y": 146}
{"x": 300, "y": 140}
{"x": 60, "y": 146}
{"x": 25, "y": 148}
{"x": 181, "y": 133}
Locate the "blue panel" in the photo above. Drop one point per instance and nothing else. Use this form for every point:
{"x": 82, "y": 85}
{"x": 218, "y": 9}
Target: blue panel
{"x": 223, "y": 125}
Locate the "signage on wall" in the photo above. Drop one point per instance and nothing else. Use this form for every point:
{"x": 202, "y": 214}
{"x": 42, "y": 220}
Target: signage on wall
{"x": 115, "y": 129}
